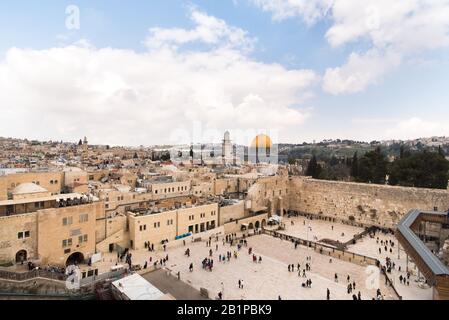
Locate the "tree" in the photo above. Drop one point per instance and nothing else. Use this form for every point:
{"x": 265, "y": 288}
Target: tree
{"x": 355, "y": 166}
{"x": 334, "y": 161}
{"x": 373, "y": 167}
{"x": 313, "y": 168}
{"x": 422, "y": 169}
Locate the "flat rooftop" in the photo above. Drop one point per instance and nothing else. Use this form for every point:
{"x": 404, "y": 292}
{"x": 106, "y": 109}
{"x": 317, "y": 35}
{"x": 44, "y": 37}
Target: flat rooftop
{"x": 59, "y": 197}
{"x": 135, "y": 287}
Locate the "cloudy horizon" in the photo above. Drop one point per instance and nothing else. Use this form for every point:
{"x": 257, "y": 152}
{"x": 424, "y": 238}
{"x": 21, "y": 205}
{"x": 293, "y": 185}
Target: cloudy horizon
{"x": 148, "y": 73}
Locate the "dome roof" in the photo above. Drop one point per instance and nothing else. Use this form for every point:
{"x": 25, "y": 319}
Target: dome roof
{"x": 25, "y": 188}
{"x": 262, "y": 141}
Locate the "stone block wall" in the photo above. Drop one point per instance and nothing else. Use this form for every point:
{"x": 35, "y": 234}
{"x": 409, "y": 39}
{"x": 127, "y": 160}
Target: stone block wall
{"x": 371, "y": 204}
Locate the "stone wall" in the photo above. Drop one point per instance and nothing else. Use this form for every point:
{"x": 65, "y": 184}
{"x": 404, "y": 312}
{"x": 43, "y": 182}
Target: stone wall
{"x": 10, "y": 243}
{"x": 51, "y": 232}
{"x": 271, "y": 193}
{"x": 232, "y": 212}
{"x": 365, "y": 203}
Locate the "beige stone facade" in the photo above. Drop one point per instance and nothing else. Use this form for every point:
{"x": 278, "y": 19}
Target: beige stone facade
{"x": 51, "y": 181}
{"x": 170, "y": 189}
{"x": 75, "y": 232}
{"x": 50, "y": 235}
{"x": 18, "y": 234}
{"x": 155, "y": 228}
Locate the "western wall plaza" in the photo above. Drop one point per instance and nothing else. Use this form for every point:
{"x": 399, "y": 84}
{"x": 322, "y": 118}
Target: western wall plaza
{"x": 215, "y": 228}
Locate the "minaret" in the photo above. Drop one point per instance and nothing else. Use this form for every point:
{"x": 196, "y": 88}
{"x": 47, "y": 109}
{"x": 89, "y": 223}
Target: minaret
{"x": 85, "y": 148}
{"x": 85, "y": 144}
{"x": 227, "y": 148}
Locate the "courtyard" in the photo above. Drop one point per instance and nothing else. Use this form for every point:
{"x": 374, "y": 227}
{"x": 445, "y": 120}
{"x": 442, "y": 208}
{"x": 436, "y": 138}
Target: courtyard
{"x": 269, "y": 279}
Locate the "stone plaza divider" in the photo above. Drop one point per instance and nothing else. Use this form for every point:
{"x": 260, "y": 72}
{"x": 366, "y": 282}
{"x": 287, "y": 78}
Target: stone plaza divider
{"x": 37, "y": 273}
{"x": 327, "y": 250}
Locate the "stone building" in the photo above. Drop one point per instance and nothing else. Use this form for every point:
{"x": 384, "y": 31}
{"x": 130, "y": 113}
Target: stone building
{"x": 51, "y": 229}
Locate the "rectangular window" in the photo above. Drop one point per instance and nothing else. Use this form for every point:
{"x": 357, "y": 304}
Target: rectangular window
{"x": 84, "y": 218}
{"x": 82, "y": 239}
{"x": 66, "y": 243}
{"x": 20, "y": 235}
{"x": 27, "y": 234}
{"x": 67, "y": 221}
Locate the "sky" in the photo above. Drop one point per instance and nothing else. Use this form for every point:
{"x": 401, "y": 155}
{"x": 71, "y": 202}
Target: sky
{"x": 166, "y": 72}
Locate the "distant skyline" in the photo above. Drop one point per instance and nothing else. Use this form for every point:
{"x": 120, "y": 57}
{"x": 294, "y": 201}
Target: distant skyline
{"x": 219, "y": 144}
{"x": 139, "y": 72}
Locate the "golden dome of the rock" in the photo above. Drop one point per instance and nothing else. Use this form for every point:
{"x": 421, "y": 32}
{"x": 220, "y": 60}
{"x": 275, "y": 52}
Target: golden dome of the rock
{"x": 262, "y": 141}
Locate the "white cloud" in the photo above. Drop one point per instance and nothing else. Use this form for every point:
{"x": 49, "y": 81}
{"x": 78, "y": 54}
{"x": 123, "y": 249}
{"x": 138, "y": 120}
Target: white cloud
{"x": 414, "y": 128}
{"x": 124, "y": 97}
{"x": 359, "y": 72}
{"x": 395, "y": 31}
{"x": 208, "y": 29}
{"x": 309, "y": 10}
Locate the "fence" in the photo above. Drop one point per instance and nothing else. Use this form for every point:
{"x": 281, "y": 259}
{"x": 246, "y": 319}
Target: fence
{"x": 37, "y": 273}
{"x": 112, "y": 275}
{"x": 389, "y": 282}
{"x": 360, "y": 236}
{"x": 327, "y": 250}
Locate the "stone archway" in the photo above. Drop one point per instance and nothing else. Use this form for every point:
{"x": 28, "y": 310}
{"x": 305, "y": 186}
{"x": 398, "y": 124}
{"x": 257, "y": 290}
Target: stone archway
{"x": 75, "y": 258}
{"x": 257, "y": 225}
{"x": 21, "y": 256}
{"x": 251, "y": 226}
